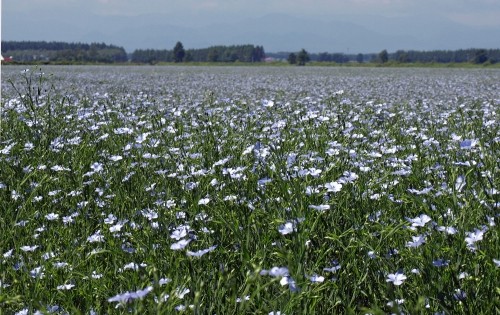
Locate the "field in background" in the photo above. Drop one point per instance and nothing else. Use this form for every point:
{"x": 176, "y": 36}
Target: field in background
{"x": 257, "y": 190}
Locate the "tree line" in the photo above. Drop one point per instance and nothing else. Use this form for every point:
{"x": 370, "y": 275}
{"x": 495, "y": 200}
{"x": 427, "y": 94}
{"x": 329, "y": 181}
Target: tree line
{"x": 473, "y": 55}
{"x": 63, "y": 52}
{"x": 241, "y": 53}
{"x": 42, "y": 51}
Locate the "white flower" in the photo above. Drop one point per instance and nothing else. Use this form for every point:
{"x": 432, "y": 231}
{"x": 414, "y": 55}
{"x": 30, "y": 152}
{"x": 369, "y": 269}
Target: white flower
{"x": 180, "y": 232}
{"x": 246, "y": 298}
{"x": 201, "y": 252}
{"x": 204, "y": 201}
{"x": 320, "y": 207}
{"x": 316, "y": 279}
{"x": 460, "y": 183}
{"x": 65, "y": 287}
{"x": 52, "y": 216}
{"x": 333, "y": 187}
{"x": 29, "y": 248}
{"x": 180, "y": 244}
{"x": 420, "y": 221}
{"x": 115, "y": 158}
{"x": 496, "y": 262}
{"x": 396, "y": 278}
{"x": 287, "y": 228}
{"x": 180, "y": 292}
{"x": 8, "y": 253}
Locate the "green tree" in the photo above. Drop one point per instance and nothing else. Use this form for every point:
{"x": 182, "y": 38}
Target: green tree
{"x": 359, "y": 58}
{"x": 383, "y": 56}
{"x": 302, "y": 57}
{"x": 480, "y": 56}
{"x": 292, "y": 59}
{"x": 179, "y": 52}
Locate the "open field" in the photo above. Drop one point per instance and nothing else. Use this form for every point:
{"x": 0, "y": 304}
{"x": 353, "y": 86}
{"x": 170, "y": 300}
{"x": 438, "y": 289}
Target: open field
{"x": 249, "y": 190}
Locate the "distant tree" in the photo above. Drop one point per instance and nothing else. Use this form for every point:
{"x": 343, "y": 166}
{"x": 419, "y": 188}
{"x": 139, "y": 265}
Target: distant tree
{"x": 292, "y": 58}
{"x": 213, "y": 55}
{"x": 360, "y": 58}
{"x": 179, "y": 52}
{"x": 401, "y": 56}
{"x": 480, "y": 56}
{"x": 383, "y": 56}
{"x": 302, "y": 57}
{"x": 188, "y": 57}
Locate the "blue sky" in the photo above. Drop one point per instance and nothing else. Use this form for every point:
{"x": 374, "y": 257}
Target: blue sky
{"x": 425, "y": 23}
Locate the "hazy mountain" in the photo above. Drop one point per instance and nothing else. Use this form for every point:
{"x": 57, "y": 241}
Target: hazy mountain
{"x": 276, "y": 32}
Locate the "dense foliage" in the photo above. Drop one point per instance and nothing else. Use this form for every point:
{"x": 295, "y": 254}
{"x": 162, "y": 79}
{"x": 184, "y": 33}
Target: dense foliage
{"x": 241, "y": 53}
{"x": 406, "y": 56}
{"x": 42, "y": 51}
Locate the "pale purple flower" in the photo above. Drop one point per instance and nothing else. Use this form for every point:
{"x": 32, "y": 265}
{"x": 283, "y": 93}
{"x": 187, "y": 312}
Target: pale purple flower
{"x": 275, "y": 272}
{"x": 290, "y": 282}
{"x": 447, "y": 229}
{"x": 473, "y": 237}
{"x": 96, "y": 237}
{"x": 420, "y": 221}
{"x": 333, "y": 187}
{"x": 468, "y": 144}
{"x": 416, "y": 241}
{"x": 459, "y": 295}
{"x": 116, "y": 228}
{"x": 336, "y": 266}
{"x": 97, "y": 167}
{"x": 440, "y": 262}
{"x": 130, "y": 296}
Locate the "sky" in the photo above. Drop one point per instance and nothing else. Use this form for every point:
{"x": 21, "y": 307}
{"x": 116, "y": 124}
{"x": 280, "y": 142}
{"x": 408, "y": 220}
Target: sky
{"x": 324, "y": 25}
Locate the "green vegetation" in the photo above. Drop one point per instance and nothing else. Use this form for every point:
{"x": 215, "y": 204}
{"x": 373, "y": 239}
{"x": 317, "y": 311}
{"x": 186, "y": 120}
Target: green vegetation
{"x": 149, "y": 198}
{"x": 61, "y": 52}
{"x": 30, "y": 52}
{"x": 224, "y": 54}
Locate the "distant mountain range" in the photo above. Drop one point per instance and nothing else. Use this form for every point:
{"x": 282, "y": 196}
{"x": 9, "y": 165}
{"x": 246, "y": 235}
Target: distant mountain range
{"x": 276, "y": 32}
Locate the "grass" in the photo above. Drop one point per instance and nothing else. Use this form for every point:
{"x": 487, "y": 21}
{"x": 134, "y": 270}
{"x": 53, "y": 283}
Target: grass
{"x": 98, "y": 190}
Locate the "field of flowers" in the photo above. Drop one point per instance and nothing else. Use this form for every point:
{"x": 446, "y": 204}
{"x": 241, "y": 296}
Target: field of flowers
{"x": 249, "y": 190}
